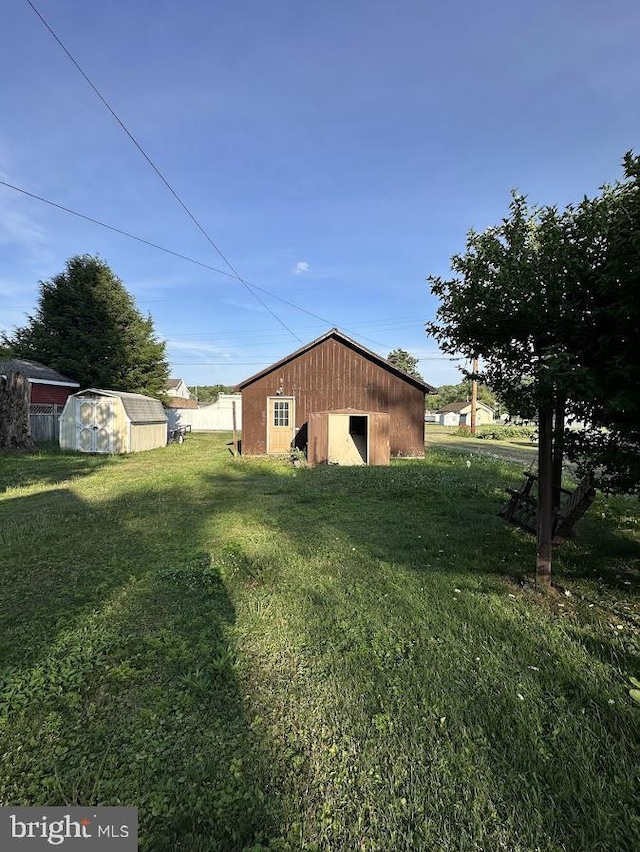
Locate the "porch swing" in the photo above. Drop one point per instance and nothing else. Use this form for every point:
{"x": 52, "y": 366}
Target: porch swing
{"x": 521, "y": 509}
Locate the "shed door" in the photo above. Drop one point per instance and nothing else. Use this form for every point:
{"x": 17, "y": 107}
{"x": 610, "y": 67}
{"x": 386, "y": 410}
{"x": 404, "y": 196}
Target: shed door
{"x": 93, "y": 423}
{"x": 280, "y": 423}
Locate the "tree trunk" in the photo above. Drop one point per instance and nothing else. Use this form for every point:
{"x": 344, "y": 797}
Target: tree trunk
{"x": 545, "y": 495}
{"x": 14, "y": 413}
{"x": 558, "y": 449}
{"x": 474, "y": 396}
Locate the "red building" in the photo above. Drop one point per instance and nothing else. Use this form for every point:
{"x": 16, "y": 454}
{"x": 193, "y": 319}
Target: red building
{"x": 48, "y": 386}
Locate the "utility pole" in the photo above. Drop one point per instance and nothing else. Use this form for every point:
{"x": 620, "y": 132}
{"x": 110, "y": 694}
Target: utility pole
{"x": 235, "y": 430}
{"x": 474, "y": 395}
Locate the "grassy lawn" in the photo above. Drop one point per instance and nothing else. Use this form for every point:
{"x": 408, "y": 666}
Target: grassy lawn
{"x": 262, "y": 657}
{"x": 521, "y": 450}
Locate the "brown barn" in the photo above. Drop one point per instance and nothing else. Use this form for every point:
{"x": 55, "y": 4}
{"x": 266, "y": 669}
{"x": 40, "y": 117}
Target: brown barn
{"x": 331, "y": 373}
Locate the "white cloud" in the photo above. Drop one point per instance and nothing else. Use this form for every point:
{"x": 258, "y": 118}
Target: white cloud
{"x": 18, "y": 228}
{"x": 301, "y": 267}
{"x": 254, "y": 306}
{"x": 200, "y": 349}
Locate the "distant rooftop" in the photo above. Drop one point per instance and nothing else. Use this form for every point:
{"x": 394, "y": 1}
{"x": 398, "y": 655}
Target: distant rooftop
{"x": 33, "y": 370}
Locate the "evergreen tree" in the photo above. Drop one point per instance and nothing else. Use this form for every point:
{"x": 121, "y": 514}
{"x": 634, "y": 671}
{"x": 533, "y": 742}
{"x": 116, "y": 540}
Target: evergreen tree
{"x": 400, "y": 358}
{"x": 87, "y": 326}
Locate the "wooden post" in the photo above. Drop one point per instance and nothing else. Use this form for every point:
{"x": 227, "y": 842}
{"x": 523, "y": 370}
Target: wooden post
{"x": 474, "y": 396}
{"x": 545, "y": 495}
{"x": 235, "y": 431}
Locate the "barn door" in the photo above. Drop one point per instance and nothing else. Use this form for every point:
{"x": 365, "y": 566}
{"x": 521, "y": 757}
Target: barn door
{"x": 280, "y": 423}
{"x": 93, "y": 425}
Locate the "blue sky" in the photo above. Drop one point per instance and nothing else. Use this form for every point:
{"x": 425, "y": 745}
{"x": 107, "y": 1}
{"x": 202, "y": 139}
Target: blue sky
{"x": 336, "y": 152}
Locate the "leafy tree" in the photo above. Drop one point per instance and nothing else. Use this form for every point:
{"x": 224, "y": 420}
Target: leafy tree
{"x": 460, "y": 393}
{"x": 88, "y": 327}
{"x": 606, "y": 355}
{"x": 404, "y": 361}
{"x": 209, "y": 393}
{"x": 550, "y": 302}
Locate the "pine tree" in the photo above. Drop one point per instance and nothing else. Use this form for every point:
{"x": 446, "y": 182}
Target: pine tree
{"x": 88, "y": 327}
{"x": 404, "y": 361}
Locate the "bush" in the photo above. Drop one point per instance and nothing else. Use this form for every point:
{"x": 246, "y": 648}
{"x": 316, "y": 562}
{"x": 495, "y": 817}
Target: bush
{"x": 498, "y": 432}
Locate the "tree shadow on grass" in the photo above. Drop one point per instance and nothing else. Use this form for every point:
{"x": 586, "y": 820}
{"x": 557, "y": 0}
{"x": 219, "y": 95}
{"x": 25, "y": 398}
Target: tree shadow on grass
{"x": 129, "y": 688}
{"x": 121, "y": 677}
{"x": 47, "y": 466}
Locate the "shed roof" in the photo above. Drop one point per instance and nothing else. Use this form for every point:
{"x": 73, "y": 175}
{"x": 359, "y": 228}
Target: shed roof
{"x": 34, "y": 370}
{"x": 139, "y": 408}
{"x": 336, "y": 334}
{"x": 180, "y": 402}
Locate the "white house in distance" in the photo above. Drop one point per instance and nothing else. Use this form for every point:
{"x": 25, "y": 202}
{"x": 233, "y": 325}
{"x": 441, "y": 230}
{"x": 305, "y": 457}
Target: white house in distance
{"x": 177, "y": 388}
{"x": 459, "y": 414}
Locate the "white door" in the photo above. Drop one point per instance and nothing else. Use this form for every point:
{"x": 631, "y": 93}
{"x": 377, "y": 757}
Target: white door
{"x": 93, "y": 425}
{"x": 281, "y": 421}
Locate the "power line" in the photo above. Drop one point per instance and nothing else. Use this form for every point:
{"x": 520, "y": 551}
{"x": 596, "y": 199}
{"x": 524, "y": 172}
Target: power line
{"x": 207, "y": 266}
{"x": 250, "y": 287}
{"x": 114, "y": 229}
{"x": 160, "y": 174}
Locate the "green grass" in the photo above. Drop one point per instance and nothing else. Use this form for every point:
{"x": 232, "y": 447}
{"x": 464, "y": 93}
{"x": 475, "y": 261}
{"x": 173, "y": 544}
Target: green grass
{"x": 261, "y": 657}
{"x": 519, "y": 449}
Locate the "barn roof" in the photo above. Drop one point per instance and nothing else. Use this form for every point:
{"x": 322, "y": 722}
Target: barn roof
{"x": 34, "y": 370}
{"x": 139, "y": 408}
{"x": 347, "y": 341}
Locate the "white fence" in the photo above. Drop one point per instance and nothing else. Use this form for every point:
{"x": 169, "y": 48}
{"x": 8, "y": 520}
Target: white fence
{"x": 217, "y": 417}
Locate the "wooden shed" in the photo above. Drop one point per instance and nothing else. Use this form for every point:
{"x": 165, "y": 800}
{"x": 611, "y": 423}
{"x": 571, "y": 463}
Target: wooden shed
{"x": 331, "y": 374}
{"x": 348, "y": 437}
{"x": 108, "y": 421}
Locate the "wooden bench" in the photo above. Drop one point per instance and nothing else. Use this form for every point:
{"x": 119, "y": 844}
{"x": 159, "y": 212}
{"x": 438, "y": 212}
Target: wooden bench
{"x": 521, "y": 508}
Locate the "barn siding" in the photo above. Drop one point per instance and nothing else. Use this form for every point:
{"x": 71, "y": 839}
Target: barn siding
{"x": 333, "y": 376}
{"x": 42, "y": 394}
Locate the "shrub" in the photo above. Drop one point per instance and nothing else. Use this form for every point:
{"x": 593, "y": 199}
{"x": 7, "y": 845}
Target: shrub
{"x": 498, "y": 432}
